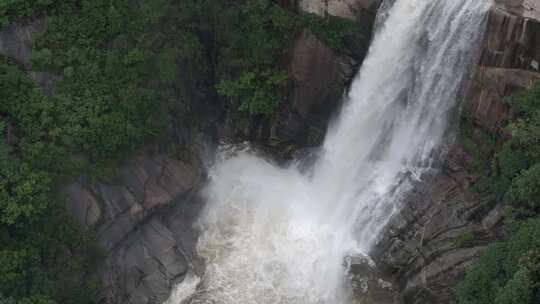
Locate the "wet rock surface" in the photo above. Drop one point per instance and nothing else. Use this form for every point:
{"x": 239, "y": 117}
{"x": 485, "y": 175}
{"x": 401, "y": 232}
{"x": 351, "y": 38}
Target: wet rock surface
{"x": 509, "y": 62}
{"x": 143, "y": 220}
{"x": 318, "y": 78}
{"x": 441, "y": 229}
{"x": 144, "y": 216}
{"x": 444, "y": 225}
{"x": 370, "y": 285}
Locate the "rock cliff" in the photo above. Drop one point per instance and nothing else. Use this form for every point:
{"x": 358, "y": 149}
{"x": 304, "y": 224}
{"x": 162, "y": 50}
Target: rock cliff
{"x": 318, "y": 77}
{"x": 444, "y": 225}
{"x": 143, "y": 217}
{"x": 143, "y": 222}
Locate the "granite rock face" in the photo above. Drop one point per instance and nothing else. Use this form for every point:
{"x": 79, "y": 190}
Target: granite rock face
{"x": 143, "y": 222}
{"x": 444, "y": 225}
{"x": 510, "y": 61}
{"x": 441, "y": 230}
{"x": 144, "y": 216}
{"x": 318, "y": 77}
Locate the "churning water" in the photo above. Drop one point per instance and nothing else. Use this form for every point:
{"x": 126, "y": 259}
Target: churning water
{"x": 278, "y": 235}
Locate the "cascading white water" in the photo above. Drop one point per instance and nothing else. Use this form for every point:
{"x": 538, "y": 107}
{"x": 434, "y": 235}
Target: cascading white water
{"x": 276, "y": 235}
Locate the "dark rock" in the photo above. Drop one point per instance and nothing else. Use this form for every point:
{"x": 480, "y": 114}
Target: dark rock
{"x": 513, "y": 37}
{"x": 371, "y": 285}
{"x": 135, "y": 216}
{"x": 444, "y": 225}
{"x": 16, "y": 43}
{"x": 485, "y": 99}
{"x": 16, "y": 40}
{"x": 319, "y": 77}
{"x": 509, "y": 63}
{"x": 146, "y": 266}
{"x": 441, "y": 230}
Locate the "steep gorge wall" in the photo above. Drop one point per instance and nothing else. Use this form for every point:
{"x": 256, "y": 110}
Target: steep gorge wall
{"x": 318, "y": 77}
{"x": 445, "y": 225}
{"x": 144, "y": 216}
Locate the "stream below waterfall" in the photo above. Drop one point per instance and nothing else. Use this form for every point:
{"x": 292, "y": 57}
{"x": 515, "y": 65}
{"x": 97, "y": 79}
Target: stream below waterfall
{"x": 272, "y": 234}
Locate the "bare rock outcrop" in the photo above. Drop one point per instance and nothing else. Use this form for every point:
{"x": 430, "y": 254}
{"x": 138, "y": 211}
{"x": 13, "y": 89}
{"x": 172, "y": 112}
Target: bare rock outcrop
{"x": 142, "y": 219}
{"x": 510, "y": 62}
{"x": 440, "y": 231}
{"x": 318, "y": 77}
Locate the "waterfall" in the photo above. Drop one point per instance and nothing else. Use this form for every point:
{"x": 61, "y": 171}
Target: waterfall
{"x": 275, "y": 234}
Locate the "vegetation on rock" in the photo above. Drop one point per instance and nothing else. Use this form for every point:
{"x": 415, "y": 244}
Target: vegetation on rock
{"x": 509, "y": 271}
{"x": 123, "y": 68}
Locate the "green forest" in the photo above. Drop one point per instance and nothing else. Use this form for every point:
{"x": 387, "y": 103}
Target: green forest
{"x": 508, "y": 272}
{"x": 122, "y": 65}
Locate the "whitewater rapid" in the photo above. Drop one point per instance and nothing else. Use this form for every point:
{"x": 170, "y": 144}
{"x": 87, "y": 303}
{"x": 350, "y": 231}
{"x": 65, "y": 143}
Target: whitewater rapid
{"x": 273, "y": 234}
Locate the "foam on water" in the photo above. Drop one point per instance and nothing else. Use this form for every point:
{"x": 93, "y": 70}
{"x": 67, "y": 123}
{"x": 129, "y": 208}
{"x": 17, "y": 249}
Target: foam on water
{"x": 277, "y": 235}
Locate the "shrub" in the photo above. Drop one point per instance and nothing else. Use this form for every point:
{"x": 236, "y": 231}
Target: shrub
{"x": 502, "y": 274}
{"x": 509, "y": 271}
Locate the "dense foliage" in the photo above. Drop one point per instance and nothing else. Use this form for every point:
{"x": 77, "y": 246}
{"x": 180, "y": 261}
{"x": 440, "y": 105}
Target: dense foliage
{"x": 331, "y": 30}
{"x": 13, "y": 10}
{"x": 249, "y": 69}
{"x": 122, "y": 67}
{"x": 509, "y": 271}
{"x": 43, "y": 254}
{"x": 249, "y": 61}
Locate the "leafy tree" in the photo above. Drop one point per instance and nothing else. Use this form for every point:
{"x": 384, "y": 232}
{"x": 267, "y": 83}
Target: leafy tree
{"x": 124, "y": 67}
{"x": 333, "y": 31}
{"x": 252, "y": 41}
{"x": 525, "y": 189}
{"x": 509, "y": 271}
